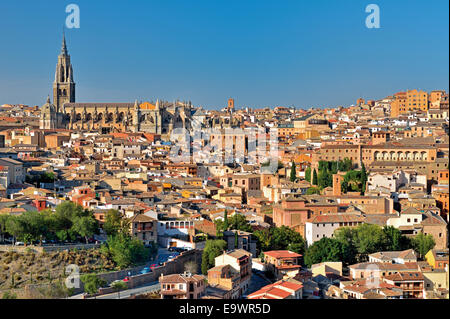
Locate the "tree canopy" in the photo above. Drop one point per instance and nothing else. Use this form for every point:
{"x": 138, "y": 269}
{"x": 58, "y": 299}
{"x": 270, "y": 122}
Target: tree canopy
{"x": 328, "y": 249}
{"x": 368, "y": 238}
{"x": 237, "y": 221}
{"x": 68, "y": 222}
{"x": 115, "y": 223}
{"x": 422, "y": 244}
{"x": 126, "y": 251}
{"x": 213, "y": 248}
{"x": 280, "y": 238}
{"x": 293, "y": 175}
{"x": 92, "y": 282}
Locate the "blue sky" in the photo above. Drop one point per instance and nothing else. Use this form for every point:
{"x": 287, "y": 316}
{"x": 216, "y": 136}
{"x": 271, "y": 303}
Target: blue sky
{"x": 262, "y": 53}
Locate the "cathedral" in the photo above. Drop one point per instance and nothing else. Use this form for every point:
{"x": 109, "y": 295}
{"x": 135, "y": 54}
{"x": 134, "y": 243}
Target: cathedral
{"x": 158, "y": 118}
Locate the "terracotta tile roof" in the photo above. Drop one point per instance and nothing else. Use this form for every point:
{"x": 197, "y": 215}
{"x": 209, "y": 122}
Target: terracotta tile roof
{"x": 405, "y": 276}
{"x": 279, "y": 290}
{"x": 177, "y": 278}
{"x": 141, "y": 218}
{"x": 336, "y": 218}
{"x": 282, "y": 254}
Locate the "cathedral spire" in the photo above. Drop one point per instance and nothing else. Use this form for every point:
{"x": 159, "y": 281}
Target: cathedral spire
{"x": 63, "y": 86}
{"x": 64, "y": 46}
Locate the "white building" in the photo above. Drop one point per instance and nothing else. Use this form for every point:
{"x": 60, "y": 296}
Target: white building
{"x": 408, "y": 217}
{"x": 322, "y": 226}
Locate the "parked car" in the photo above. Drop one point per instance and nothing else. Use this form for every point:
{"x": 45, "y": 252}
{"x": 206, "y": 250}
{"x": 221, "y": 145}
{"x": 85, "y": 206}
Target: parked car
{"x": 126, "y": 279}
{"x": 19, "y": 243}
{"x": 146, "y": 270}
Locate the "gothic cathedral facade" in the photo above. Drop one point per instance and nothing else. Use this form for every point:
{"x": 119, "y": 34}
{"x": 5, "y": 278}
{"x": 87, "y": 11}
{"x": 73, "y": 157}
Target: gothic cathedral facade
{"x": 159, "y": 118}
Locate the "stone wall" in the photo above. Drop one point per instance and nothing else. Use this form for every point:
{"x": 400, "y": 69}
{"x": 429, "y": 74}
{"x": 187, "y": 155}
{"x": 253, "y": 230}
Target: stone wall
{"x": 172, "y": 267}
{"x": 21, "y": 249}
{"x": 40, "y": 249}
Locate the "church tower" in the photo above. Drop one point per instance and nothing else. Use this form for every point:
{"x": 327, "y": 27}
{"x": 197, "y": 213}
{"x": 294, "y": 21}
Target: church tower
{"x": 64, "y": 86}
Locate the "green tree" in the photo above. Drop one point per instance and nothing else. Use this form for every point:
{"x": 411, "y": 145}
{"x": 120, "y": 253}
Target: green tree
{"x": 236, "y": 222}
{"x": 395, "y": 241}
{"x": 239, "y": 222}
{"x": 3, "y": 222}
{"x": 293, "y": 176}
{"x": 298, "y": 248}
{"x": 314, "y": 182}
{"x": 85, "y": 226}
{"x": 346, "y": 165}
{"x": 213, "y": 248}
{"x": 313, "y": 190}
{"x": 92, "y": 283}
{"x": 16, "y": 227}
{"x": 225, "y": 220}
{"x": 344, "y": 186}
{"x": 369, "y": 239}
{"x": 308, "y": 174}
{"x": 126, "y": 251}
{"x": 264, "y": 239}
{"x": 422, "y": 244}
{"x": 36, "y": 225}
{"x": 363, "y": 178}
{"x": 63, "y": 220}
{"x": 280, "y": 238}
{"x": 113, "y": 222}
{"x": 326, "y": 249}
{"x": 325, "y": 179}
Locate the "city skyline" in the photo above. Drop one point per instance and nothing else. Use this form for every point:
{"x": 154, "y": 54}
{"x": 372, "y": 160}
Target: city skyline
{"x": 248, "y": 61}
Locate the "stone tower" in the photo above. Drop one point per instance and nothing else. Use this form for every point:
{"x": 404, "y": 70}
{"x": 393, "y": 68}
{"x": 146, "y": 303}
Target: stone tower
{"x": 64, "y": 86}
{"x": 337, "y": 181}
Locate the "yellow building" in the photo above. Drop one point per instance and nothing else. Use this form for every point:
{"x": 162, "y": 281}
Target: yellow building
{"x": 416, "y": 100}
{"x": 409, "y": 101}
{"x": 437, "y": 258}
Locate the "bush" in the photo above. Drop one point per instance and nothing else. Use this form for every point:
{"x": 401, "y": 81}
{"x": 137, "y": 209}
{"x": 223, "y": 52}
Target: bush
{"x": 9, "y": 295}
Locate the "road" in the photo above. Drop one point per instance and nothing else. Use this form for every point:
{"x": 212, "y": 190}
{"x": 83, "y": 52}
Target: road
{"x": 257, "y": 282}
{"x": 163, "y": 256}
{"x": 154, "y": 286}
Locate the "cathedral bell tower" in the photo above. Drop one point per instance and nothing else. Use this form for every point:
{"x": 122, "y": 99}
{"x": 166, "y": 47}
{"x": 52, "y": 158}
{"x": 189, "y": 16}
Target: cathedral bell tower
{"x": 64, "y": 86}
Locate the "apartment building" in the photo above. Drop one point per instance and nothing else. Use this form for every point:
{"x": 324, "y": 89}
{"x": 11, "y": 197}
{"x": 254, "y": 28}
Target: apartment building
{"x": 241, "y": 261}
{"x": 144, "y": 228}
{"x": 282, "y": 263}
{"x": 182, "y": 286}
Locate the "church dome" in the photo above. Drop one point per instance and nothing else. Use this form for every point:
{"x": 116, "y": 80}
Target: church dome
{"x": 48, "y": 107}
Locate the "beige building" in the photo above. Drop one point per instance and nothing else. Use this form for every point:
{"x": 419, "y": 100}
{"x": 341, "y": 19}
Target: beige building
{"x": 182, "y": 286}
{"x": 241, "y": 261}
{"x": 144, "y": 228}
{"x": 16, "y": 171}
